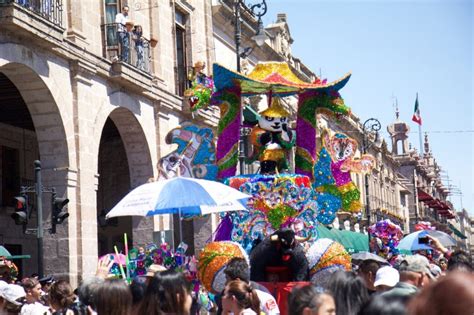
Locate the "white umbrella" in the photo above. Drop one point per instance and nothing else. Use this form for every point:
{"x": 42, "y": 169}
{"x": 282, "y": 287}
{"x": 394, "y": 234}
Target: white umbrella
{"x": 180, "y": 195}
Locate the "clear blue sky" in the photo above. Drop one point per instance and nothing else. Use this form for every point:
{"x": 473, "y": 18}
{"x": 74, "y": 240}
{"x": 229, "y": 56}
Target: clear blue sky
{"x": 397, "y": 48}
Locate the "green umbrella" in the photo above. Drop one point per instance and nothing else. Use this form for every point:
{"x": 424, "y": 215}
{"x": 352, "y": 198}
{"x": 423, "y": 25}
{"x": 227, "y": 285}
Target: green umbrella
{"x": 4, "y": 251}
{"x": 353, "y": 242}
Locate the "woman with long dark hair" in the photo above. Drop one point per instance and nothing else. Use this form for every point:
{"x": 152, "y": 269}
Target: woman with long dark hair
{"x": 169, "y": 292}
{"x": 113, "y": 298}
{"x": 349, "y": 292}
{"x": 240, "y": 298}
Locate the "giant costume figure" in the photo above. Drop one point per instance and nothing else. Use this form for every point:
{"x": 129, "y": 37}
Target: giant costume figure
{"x": 272, "y": 138}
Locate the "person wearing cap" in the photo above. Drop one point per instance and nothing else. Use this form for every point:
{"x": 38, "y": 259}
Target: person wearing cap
{"x": 46, "y": 283}
{"x": 386, "y": 278}
{"x": 414, "y": 274}
{"x": 11, "y": 298}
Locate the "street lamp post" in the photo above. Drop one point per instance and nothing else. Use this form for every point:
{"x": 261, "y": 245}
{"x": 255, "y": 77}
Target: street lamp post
{"x": 258, "y": 10}
{"x": 371, "y": 125}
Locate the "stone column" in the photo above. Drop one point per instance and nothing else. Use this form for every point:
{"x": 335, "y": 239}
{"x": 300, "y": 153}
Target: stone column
{"x": 84, "y": 219}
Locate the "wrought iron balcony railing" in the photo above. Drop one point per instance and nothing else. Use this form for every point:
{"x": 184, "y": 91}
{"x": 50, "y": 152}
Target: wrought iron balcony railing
{"x": 51, "y": 10}
{"x": 131, "y": 49}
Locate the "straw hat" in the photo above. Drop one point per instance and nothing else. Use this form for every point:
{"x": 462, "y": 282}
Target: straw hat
{"x": 275, "y": 110}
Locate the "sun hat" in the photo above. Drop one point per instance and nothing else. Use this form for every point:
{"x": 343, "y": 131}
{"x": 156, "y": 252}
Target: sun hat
{"x": 416, "y": 263}
{"x": 12, "y": 292}
{"x": 387, "y": 275}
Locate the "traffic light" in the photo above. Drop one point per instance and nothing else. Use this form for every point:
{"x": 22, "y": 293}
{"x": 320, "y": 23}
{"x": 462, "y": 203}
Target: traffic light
{"x": 21, "y": 210}
{"x": 58, "y": 215}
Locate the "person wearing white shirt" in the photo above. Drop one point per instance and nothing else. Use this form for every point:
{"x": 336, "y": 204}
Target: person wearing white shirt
{"x": 121, "y": 19}
{"x": 33, "y": 291}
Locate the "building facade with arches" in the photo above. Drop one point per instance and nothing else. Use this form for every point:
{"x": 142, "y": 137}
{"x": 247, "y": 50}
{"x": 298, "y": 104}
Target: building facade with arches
{"x": 96, "y": 124}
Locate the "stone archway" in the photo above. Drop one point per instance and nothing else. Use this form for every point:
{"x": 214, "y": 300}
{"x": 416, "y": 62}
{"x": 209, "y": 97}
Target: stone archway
{"x": 123, "y": 145}
{"x": 46, "y": 140}
{"x": 44, "y": 111}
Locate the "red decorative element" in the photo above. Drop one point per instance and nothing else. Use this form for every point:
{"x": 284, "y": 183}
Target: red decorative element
{"x": 303, "y": 181}
{"x": 236, "y": 182}
{"x": 277, "y": 78}
{"x": 281, "y": 291}
{"x": 319, "y": 82}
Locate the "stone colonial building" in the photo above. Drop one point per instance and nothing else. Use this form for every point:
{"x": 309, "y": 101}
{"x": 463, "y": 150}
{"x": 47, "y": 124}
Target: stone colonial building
{"x": 422, "y": 175}
{"x": 96, "y": 123}
{"x": 97, "y": 120}
{"x": 462, "y": 230}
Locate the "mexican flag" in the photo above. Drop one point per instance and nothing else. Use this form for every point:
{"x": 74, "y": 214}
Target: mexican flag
{"x": 416, "y": 114}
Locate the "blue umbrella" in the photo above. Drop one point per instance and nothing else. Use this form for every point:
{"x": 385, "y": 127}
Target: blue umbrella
{"x": 179, "y": 195}
{"x": 412, "y": 241}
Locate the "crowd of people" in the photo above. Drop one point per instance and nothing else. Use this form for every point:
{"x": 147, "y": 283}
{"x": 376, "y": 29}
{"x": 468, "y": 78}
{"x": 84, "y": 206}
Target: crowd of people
{"x": 413, "y": 286}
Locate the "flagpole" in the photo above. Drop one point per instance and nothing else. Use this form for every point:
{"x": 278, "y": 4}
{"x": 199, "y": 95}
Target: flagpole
{"x": 421, "y": 140}
{"x": 417, "y": 109}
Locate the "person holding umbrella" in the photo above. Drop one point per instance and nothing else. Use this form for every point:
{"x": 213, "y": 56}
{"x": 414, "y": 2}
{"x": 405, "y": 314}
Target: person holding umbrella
{"x": 457, "y": 260}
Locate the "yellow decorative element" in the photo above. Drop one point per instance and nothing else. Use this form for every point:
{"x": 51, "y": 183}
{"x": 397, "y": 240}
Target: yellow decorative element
{"x": 347, "y": 187}
{"x": 263, "y": 70}
{"x": 212, "y": 261}
{"x": 229, "y": 155}
{"x": 355, "y": 206}
{"x": 304, "y": 154}
{"x": 276, "y": 110}
{"x": 273, "y": 155}
{"x": 325, "y": 255}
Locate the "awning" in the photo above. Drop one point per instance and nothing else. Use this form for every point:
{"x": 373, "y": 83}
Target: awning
{"x": 424, "y": 196}
{"x": 445, "y": 210}
{"x": 456, "y": 231}
{"x": 353, "y": 242}
{"x": 440, "y": 206}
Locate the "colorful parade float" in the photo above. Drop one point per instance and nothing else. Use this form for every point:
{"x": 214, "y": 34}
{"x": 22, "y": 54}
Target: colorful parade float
{"x": 279, "y": 230}
{"x": 278, "y": 233}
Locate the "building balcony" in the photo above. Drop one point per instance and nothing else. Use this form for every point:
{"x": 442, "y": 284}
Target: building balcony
{"x": 133, "y": 51}
{"x": 40, "y": 21}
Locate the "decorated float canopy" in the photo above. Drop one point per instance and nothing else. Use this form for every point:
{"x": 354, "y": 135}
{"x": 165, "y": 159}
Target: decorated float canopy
{"x": 271, "y": 76}
{"x": 273, "y": 79}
